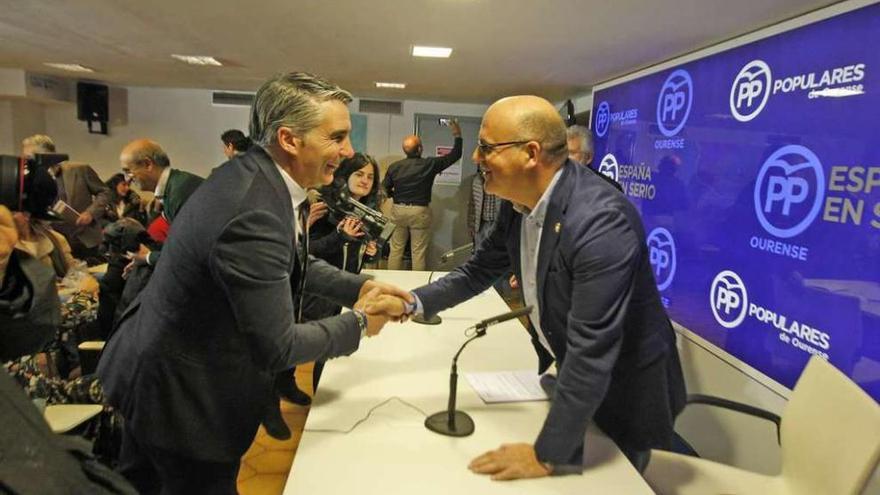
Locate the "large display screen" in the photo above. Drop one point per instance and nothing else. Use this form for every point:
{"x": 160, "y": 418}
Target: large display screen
{"x": 757, "y": 173}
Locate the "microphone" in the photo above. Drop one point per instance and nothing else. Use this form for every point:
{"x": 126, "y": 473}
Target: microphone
{"x": 455, "y": 251}
{"x": 457, "y": 423}
{"x": 488, "y": 322}
{"x": 436, "y": 320}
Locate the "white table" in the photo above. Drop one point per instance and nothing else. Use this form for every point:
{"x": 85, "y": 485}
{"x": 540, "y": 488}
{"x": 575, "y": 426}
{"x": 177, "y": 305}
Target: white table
{"x": 392, "y": 452}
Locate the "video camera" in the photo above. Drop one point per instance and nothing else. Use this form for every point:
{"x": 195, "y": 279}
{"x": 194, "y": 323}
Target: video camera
{"x": 376, "y": 227}
{"x": 27, "y": 185}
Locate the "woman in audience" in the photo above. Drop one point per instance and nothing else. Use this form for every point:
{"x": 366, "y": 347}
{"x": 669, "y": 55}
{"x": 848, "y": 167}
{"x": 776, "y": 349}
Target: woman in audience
{"x": 339, "y": 241}
{"x": 124, "y": 202}
{"x": 54, "y": 374}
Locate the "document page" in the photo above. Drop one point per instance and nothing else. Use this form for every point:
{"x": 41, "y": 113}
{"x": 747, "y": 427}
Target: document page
{"x": 507, "y": 386}
{"x": 66, "y": 212}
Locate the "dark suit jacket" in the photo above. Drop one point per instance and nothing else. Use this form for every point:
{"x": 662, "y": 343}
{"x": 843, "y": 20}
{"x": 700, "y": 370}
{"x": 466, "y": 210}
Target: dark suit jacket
{"x": 85, "y": 193}
{"x": 600, "y": 311}
{"x": 191, "y": 364}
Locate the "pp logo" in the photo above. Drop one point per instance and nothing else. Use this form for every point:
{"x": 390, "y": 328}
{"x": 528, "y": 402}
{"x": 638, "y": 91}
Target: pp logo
{"x": 750, "y": 90}
{"x": 789, "y": 191}
{"x": 603, "y": 119}
{"x": 608, "y": 167}
{"x": 661, "y": 247}
{"x": 729, "y": 299}
{"x": 674, "y": 102}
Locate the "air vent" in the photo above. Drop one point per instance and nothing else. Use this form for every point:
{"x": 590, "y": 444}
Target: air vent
{"x": 233, "y": 99}
{"x": 380, "y": 106}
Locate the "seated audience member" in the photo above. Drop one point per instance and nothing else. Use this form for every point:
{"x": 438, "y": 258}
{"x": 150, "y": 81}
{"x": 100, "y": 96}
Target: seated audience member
{"x": 124, "y": 202}
{"x": 53, "y": 373}
{"x": 79, "y": 187}
{"x": 235, "y": 142}
{"x": 34, "y": 459}
{"x": 337, "y": 241}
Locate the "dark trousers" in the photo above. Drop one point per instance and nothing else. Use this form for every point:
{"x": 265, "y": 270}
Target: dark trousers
{"x": 158, "y": 471}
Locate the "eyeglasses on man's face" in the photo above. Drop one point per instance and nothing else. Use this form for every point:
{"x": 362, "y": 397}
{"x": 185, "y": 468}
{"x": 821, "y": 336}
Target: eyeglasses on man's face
{"x": 485, "y": 149}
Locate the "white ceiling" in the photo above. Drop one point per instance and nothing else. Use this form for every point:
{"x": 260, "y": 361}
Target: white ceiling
{"x": 553, "y": 48}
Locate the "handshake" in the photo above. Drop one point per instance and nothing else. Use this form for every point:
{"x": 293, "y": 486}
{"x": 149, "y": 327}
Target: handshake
{"x": 381, "y": 303}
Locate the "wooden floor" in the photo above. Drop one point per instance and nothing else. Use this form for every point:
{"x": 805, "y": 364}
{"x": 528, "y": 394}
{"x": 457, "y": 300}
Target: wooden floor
{"x": 265, "y": 466}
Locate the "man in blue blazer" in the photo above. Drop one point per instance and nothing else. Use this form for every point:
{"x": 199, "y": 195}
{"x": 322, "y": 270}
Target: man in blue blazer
{"x": 577, "y": 246}
{"x": 191, "y": 366}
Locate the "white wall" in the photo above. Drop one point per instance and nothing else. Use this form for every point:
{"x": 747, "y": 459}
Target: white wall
{"x": 6, "y": 143}
{"x": 183, "y": 121}
{"x": 385, "y": 133}
{"x": 188, "y": 126}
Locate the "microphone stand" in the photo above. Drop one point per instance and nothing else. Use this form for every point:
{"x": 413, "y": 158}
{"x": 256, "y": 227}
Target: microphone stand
{"x": 451, "y": 422}
{"x": 457, "y": 423}
{"x": 435, "y": 319}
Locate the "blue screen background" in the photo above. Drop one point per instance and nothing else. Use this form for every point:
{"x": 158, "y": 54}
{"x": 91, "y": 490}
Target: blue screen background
{"x": 776, "y": 269}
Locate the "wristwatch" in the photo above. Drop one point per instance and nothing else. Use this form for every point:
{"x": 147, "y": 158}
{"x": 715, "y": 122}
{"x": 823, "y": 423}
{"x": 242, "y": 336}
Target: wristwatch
{"x": 361, "y": 318}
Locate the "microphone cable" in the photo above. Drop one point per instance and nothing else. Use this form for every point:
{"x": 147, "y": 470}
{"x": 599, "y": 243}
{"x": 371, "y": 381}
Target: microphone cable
{"x": 366, "y": 417}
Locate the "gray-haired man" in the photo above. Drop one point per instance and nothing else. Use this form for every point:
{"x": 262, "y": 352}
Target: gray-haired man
{"x": 580, "y": 144}
{"x": 192, "y": 363}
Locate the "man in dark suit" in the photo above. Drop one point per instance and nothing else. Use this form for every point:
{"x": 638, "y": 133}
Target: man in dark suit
{"x": 80, "y": 187}
{"x": 578, "y": 248}
{"x": 191, "y": 366}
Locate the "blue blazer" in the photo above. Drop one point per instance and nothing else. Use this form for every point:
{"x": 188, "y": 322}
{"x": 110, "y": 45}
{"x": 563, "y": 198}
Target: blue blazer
{"x": 600, "y": 312}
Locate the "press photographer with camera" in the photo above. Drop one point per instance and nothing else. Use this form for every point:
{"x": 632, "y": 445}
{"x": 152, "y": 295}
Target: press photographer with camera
{"x": 341, "y": 240}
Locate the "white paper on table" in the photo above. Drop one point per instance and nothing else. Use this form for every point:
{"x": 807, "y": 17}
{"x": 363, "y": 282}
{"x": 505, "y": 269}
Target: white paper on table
{"x": 507, "y": 386}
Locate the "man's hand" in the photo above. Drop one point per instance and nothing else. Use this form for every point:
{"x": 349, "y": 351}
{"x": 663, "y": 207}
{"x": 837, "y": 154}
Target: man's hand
{"x": 138, "y": 258}
{"x": 391, "y": 304}
{"x": 371, "y": 249}
{"x": 350, "y": 226}
{"x": 510, "y": 462}
{"x": 456, "y": 129}
{"x": 375, "y": 322}
{"x": 85, "y": 218}
{"x": 391, "y": 307}
{"x": 514, "y": 283}
{"x": 317, "y": 211}
{"x": 384, "y": 288}
{"x": 8, "y": 239}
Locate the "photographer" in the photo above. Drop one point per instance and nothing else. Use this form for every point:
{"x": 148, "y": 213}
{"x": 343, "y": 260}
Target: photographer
{"x": 340, "y": 242}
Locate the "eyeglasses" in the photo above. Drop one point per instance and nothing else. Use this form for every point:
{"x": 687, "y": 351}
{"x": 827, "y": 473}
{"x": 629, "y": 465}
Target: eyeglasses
{"x": 484, "y": 148}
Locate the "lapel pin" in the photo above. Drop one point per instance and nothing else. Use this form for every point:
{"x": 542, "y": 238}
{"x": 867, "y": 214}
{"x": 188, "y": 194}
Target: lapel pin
{"x": 557, "y": 227}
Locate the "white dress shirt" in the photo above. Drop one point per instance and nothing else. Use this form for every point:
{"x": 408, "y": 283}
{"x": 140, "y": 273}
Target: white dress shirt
{"x": 530, "y": 241}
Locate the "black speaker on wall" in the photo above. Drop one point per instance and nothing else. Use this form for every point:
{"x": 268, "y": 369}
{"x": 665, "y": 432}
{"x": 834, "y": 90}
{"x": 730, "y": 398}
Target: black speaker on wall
{"x": 92, "y": 105}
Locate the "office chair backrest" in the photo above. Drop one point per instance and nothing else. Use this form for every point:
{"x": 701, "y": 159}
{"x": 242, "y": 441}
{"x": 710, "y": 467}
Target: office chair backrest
{"x": 830, "y": 433}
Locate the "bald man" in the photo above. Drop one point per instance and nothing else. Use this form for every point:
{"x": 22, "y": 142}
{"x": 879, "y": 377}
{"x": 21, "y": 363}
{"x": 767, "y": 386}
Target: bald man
{"x": 578, "y": 247}
{"x": 144, "y": 161}
{"x": 409, "y": 182}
